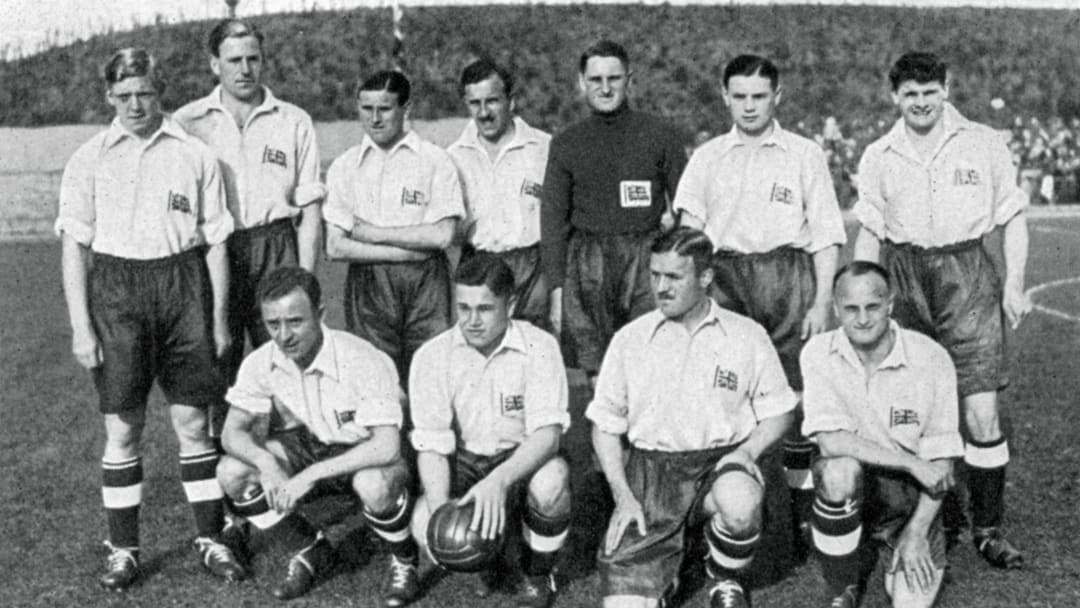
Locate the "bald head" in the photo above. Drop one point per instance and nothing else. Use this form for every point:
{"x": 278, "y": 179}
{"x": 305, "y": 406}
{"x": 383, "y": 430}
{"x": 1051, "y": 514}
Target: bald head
{"x": 862, "y": 298}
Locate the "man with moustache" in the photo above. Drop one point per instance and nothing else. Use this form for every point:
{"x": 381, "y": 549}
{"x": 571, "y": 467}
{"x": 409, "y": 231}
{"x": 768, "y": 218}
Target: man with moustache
{"x": 608, "y": 182}
{"x": 929, "y": 191}
{"x": 392, "y": 207}
{"x": 881, "y": 403}
{"x": 501, "y": 161}
{"x": 696, "y": 394}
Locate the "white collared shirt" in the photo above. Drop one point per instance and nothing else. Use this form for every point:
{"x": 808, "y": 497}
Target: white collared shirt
{"x": 502, "y": 195}
{"x": 271, "y": 165}
{"x": 413, "y": 183}
{"x": 349, "y": 386}
{"x": 672, "y": 390}
{"x": 143, "y": 199}
{"x": 909, "y": 403}
{"x": 756, "y": 198}
{"x": 961, "y": 193}
{"x": 494, "y": 402}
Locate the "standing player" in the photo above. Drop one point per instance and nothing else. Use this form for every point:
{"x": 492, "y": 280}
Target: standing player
{"x": 340, "y": 402}
{"x": 489, "y": 405}
{"x": 765, "y": 198}
{"x": 881, "y": 403}
{"x": 929, "y": 191}
{"x": 698, "y": 394}
{"x": 608, "y": 182}
{"x": 501, "y": 160}
{"x": 392, "y": 208}
{"x": 143, "y": 201}
{"x": 271, "y": 168}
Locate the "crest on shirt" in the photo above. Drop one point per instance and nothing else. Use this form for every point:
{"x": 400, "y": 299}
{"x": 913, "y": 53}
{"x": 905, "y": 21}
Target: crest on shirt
{"x": 179, "y": 202}
{"x": 726, "y": 379}
{"x": 899, "y": 417}
{"x": 966, "y": 177}
{"x": 275, "y": 157}
{"x": 412, "y": 198}
{"x": 635, "y": 193}
{"x": 531, "y": 188}
{"x": 512, "y": 403}
{"x": 781, "y": 194}
{"x": 344, "y": 417}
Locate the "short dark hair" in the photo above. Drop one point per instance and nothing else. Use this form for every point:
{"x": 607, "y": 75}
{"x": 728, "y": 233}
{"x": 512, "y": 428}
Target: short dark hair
{"x": 134, "y": 62}
{"x": 686, "y": 241}
{"x": 489, "y": 270}
{"x": 391, "y": 81}
{"x": 920, "y": 67}
{"x": 749, "y": 65}
{"x": 859, "y": 268}
{"x": 283, "y": 281}
{"x": 231, "y": 28}
{"x": 481, "y": 70}
{"x": 604, "y": 48}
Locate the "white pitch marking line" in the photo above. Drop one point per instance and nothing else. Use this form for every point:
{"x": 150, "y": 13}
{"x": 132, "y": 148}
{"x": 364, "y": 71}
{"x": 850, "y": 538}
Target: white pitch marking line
{"x": 1054, "y": 230}
{"x": 1052, "y": 311}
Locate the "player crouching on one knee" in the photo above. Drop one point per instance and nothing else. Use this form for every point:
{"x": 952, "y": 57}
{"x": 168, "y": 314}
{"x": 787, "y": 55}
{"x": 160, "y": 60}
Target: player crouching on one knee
{"x": 489, "y": 407}
{"x": 341, "y": 407}
{"x": 699, "y": 394}
{"x": 881, "y": 403}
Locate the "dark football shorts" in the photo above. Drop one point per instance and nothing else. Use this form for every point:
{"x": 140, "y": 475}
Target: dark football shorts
{"x": 776, "y": 289}
{"x": 303, "y": 449}
{"x": 153, "y": 320}
{"x": 671, "y": 487}
{"x": 468, "y": 468}
{"x": 953, "y": 295}
{"x": 399, "y": 306}
{"x": 253, "y": 254}
{"x": 530, "y": 285}
{"x": 607, "y": 285}
{"x": 889, "y": 500}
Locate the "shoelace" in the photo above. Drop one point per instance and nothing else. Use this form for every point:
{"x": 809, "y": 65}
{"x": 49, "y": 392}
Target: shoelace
{"x": 119, "y": 558}
{"x": 211, "y": 549}
{"x": 399, "y": 573}
{"x": 728, "y": 592}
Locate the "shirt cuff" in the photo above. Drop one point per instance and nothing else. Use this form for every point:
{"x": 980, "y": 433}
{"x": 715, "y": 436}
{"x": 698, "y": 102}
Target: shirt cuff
{"x": 219, "y": 232}
{"x": 870, "y": 218}
{"x": 538, "y": 421}
{"x": 825, "y": 424}
{"x": 934, "y": 447}
{"x": 775, "y": 404}
{"x": 605, "y": 420}
{"x": 256, "y": 406}
{"x": 82, "y": 232}
{"x": 438, "y": 441}
{"x": 338, "y": 217}
{"x": 307, "y": 194}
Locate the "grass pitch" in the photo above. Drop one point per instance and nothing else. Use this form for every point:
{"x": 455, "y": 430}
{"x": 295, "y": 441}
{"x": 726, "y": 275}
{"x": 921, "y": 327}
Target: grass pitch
{"x": 51, "y": 437}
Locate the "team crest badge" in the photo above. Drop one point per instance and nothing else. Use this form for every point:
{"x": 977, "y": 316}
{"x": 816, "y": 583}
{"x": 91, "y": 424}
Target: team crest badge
{"x": 532, "y": 189}
{"x": 899, "y": 417}
{"x": 966, "y": 177}
{"x": 275, "y": 157}
{"x": 512, "y": 403}
{"x": 412, "y": 198}
{"x": 344, "y": 417}
{"x": 179, "y": 202}
{"x": 725, "y": 379}
{"x": 635, "y": 193}
{"x": 781, "y": 194}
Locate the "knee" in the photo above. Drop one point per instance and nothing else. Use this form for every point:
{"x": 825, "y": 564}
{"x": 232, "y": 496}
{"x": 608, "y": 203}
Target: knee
{"x": 736, "y": 499}
{"x": 192, "y": 430}
{"x": 379, "y": 488}
{"x": 837, "y": 479}
{"x": 549, "y": 487}
{"x": 235, "y": 476}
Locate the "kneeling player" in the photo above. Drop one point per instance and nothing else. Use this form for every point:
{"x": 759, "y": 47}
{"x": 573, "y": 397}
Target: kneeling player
{"x": 340, "y": 404}
{"x": 502, "y": 385}
{"x": 699, "y": 394}
{"x": 881, "y": 403}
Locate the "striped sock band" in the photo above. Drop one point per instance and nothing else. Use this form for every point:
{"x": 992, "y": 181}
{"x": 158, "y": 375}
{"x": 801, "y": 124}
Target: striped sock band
{"x": 986, "y": 462}
{"x": 544, "y": 536}
{"x": 121, "y": 494}
{"x": 798, "y": 458}
{"x": 729, "y": 555}
{"x": 198, "y": 472}
{"x": 393, "y": 527}
{"x": 837, "y": 531}
{"x": 291, "y": 532}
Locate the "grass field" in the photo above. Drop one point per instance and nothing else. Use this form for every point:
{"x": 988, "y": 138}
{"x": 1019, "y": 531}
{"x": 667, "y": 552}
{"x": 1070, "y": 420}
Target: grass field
{"x": 51, "y": 437}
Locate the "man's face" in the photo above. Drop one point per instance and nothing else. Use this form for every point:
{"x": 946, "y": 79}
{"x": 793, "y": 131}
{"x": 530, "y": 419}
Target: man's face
{"x": 676, "y": 287}
{"x": 482, "y": 316}
{"x": 382, "y": 116}
{"x": 239, "y": 66}
{"x": 604, "y": 83}
{"x": 921, "y": 103}
{"x": 293, "y": 326}
{"x": 752, "y": 102}
{"x": 137, "y": 104}
{"x": 489, "y": 107}
{"x": 863, "y": 306}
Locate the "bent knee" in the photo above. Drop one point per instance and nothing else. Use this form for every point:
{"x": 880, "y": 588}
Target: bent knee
{"x": 379, "y": 487}
{"x": 235, "y": 476}
{"x": 736, "y": 498}
{"x": 549, "y": 486}
{"x": 837, "y": 478}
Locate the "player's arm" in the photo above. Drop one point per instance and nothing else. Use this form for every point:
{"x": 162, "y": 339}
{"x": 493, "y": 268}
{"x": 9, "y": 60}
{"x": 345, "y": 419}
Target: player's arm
{"x": 309, "y": 236}
{"x": 690, "y": 220}
{"x": 341, "y": 247}
{"x": 238, "y": 439}
{"x": 912, "y": 556}
{"x": 935, "y": 478}
{"x": 555, "y": 207}
{"x": 217, "y": 265}
{"x": 74, "y": 263}
{"x": 867, "y": 246}
{"x": 628, "y": 510}
{"x": 824, "y": 268}
{"x": 435, "y": 236}
{"x": 1014, "y": 301}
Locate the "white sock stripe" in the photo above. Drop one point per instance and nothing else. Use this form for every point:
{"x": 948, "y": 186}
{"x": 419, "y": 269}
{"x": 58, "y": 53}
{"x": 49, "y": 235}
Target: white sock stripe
{"x": 987, "y": 458}
{"x": 120, "y": 464}
{"x": 247, "y": 504}
{"x": 203, "y": 490}
{"x": 837, "y": 545}
{"x": 403, "y": 504}
{"x": 396, "y": 536}
{"x": 832, "y": 514}
{"x": 264, "y": 521}
{"x": 726, "y": 537}
{"x": 123, "y": 497}
{"x": 726, "y": 561}
{"x": 541, "y": 543}
{"x": 198, "y": 458}
{"x": 799, "y": 479}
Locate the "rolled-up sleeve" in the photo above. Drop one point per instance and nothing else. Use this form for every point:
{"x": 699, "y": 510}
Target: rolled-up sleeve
{"x": 869, "y": 210}
{"x": 338, "y": 208}
{"x": 691, "y": 194}
{"x": 610, "y": 405}
{"x": 941, "y": 436}
{"x": 446, "y": 197}
{"x": 75, "y": 216}
{"x": 770, "y": 395}
{"x": 1009, "y": 199}
{"x": 823, "y": 218}
{"x": 308, "y": 187}
{"x": 822, "y": 406}
{"x": 217, "y": 222}
{"x": 430, "y": 404}
{"x": 381, "y": 395}
{"x": 546, "y": 393}
{"x": 252, "y": 392}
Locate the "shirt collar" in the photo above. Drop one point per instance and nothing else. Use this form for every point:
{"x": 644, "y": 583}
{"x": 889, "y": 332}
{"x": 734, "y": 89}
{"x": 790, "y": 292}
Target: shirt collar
{"x": 896, "y": 358}
{"x": 513, "y": 339}
{"x": 325, "y": 361}
{"x": 778, "y": 137}
{"x": 712, "y": 317}
{"x": 523, "y": 135}
{"x": 117, "y": 132}
{"x": 411, "y": 140}
{"x": 952, "y": 121}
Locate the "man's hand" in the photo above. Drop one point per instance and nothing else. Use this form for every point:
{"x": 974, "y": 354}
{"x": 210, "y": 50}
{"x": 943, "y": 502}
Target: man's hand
{"x": 289, "y": 494}
{"x": 1015, "y": 303}
{"x": 556, "y": 311}
{"x": 936, "y": 480}
{"x": 912, "y": 558}
{"x": 272, "y": 479}
{"x": 627, "y": 511}
{"x": 489, "y": 510}
{"x": 222, "y": 339}
{"x": 815, "y": 320}
{"x": 86, "y": 348}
